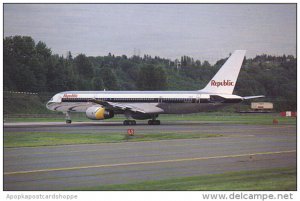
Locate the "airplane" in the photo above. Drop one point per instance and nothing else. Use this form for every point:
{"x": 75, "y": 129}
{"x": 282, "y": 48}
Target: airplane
{"x": 99, "y": 105}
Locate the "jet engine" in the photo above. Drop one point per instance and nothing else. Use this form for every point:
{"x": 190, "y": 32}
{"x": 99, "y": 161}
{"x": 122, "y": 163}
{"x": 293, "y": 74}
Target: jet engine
{"x": 99, "y": 113}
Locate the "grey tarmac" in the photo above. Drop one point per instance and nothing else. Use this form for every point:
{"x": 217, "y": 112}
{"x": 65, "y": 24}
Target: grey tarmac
{"x": 69, "y": 167}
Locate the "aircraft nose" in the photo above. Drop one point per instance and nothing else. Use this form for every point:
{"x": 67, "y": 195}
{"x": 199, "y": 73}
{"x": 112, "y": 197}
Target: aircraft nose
{"x": 48, "y": 105}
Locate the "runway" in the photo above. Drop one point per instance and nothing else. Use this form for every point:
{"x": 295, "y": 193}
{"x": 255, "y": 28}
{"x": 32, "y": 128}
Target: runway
{"x": 76, "y": 167}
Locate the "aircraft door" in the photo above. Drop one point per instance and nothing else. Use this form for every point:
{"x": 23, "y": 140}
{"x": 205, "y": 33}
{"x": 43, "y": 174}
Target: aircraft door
{"x": 160, "y": 99}
{"x": 198, "y": 98}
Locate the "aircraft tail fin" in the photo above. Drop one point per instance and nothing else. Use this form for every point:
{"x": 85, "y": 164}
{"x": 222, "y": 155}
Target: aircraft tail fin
{"x": 225, "y": 79}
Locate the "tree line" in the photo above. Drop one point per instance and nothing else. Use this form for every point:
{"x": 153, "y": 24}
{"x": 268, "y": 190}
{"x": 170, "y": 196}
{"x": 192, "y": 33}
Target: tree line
{"x": 32, "y": 67}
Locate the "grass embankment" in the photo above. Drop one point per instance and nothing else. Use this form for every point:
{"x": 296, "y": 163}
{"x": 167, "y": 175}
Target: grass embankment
{"x": 21, "y": 103}
{"x": 31, "y": 139}
{"x": 267, "y": 180}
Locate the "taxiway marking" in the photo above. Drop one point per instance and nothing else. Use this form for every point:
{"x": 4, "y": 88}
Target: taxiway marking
{"x": 146, "y": 162}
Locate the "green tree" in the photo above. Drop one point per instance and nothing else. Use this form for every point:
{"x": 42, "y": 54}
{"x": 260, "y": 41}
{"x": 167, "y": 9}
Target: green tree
{"x": 20, "y": 62}
{"x": 109, "y": 79}
{"x": 97, "y": 83}
{"x": 206, "y": 64}
{"x": 152, "y": 78}
{"x": 84, "y": 66}
{"x": 69, "y": 56}
{"x": 56, "y": 77}
{"x": 43, "y": 52}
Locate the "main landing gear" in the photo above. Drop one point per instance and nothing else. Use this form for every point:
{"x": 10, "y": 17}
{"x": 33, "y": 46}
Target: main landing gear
{"x": 133, "y": 122}
{"x": 153, "y": 122}
{"x": 129, "y": 122}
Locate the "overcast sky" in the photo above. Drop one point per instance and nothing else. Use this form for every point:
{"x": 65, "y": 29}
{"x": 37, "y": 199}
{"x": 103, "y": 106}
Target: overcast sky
{"x": 203, "y": 31}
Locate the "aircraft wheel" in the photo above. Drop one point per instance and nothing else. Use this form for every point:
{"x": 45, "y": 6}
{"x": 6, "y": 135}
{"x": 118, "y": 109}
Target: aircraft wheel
{"x": 68, "y": 121}
{"x": 154, "y": 122}
{"x": 129, "y": 122}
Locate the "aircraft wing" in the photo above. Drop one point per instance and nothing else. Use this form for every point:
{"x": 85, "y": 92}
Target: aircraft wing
{"x": 146, "y": 108}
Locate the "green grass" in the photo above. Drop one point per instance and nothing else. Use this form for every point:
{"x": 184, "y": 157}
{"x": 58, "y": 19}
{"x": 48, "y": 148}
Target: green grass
{"x": 235, "y": 118}
{"x": 58, "y": 117}
{"x": 30, "y": 139}
{"x": 269, "y": 180}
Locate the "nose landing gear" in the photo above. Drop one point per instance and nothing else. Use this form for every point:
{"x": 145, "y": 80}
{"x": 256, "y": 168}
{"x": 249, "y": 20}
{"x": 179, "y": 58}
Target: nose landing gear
{"x": 68, "y": 118}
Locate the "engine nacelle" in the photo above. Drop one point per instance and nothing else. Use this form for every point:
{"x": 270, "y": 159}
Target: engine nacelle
{"x": 99, "y": 113}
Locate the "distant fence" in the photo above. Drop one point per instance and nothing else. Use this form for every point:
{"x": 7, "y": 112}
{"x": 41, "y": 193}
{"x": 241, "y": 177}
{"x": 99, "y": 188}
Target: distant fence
{"x": 20, "y": 92}
{"x": 43, "y": 96}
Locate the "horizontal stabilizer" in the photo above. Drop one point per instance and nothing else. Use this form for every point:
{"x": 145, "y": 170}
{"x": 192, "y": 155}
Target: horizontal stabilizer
{"x": 252, "y": 97}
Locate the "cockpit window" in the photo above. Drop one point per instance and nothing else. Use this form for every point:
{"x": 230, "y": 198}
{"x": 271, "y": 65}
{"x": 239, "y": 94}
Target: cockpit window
{"x": 51, "y": 99}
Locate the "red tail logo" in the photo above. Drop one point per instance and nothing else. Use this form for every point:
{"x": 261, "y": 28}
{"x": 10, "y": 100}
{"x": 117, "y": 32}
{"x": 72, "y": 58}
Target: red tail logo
{"x": 223, "y": 83}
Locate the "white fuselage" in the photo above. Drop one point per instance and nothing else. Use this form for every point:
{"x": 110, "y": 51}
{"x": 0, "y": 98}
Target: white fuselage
{"x": 170, "y": 102}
